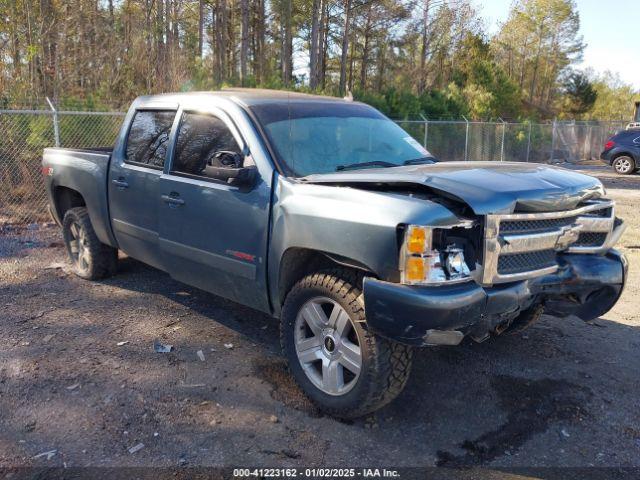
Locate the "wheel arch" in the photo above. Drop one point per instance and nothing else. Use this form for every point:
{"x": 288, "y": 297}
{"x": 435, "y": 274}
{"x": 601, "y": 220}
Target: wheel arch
{"x": 65, "y": 198}
{"x": 624, "y": 153}
{"x": 67, "y": 195}
{"x": 297, "y": 262}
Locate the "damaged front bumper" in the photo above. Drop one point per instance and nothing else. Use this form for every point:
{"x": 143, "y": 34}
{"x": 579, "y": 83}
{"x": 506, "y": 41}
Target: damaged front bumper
{"x": 584, "y": 285}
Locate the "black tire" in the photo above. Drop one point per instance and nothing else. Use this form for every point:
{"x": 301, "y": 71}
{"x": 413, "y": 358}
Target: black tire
{"x": 98, "y": 260}
{"x": 385, "y": 365}
{"x": 526, "y": 318}
{"x": 624, "y": 165}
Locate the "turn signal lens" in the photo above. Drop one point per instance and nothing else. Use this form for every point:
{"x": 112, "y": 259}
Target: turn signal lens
{"x": 414, "y": 269}
{"x": 418, "y": 239}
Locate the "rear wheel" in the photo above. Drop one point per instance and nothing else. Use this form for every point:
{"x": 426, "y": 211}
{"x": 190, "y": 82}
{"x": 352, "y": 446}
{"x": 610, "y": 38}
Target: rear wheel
{"x": 624, "y": 165}
{"x": 346, "y": 370}
{"x": 91, "y": 258}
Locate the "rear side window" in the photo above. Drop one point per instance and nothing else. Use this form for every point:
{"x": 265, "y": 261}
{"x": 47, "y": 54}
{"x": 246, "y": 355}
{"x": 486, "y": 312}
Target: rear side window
{"x": 204, "y": 141}
{"x": 149, "y": 137}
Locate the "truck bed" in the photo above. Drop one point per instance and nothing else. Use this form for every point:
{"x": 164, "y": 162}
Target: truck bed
{"x": 90, "y": 149}
{"x": 84, "y": 170}
{"x": 95, "y": 150}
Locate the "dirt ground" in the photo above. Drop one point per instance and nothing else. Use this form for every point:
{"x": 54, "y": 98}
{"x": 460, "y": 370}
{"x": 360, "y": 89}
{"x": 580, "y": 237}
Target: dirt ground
{"x": 81, "y": 383}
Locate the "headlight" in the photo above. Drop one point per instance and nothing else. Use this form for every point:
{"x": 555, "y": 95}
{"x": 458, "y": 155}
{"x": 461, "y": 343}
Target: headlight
{"x": 455, "y": 265}
{"x": 421, "y": 263}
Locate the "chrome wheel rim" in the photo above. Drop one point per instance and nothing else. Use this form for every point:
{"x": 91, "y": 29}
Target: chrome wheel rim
{"x": 327, "y": 346}
{"x": 78, "y": 246}
{"x": 623, "y": 165}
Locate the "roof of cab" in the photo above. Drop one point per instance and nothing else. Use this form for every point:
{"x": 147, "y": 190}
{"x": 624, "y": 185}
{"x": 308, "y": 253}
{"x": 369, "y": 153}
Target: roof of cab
{"x": 248, "y": 96}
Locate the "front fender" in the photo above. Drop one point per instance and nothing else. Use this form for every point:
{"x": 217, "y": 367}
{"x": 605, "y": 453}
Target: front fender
{"x": 356, "y": 224}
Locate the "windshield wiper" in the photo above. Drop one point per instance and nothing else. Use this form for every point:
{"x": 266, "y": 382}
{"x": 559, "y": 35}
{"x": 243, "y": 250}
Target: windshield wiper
{"x": 355, "y": 166}
{"x": 419, "y": 161}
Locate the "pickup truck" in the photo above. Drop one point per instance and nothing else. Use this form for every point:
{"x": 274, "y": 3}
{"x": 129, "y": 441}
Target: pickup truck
{"x": 325, "y": 214}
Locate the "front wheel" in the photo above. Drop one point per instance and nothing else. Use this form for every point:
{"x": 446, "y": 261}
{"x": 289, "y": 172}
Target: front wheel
{"x": 624, "y": 165}
{"x": 346, "y": 370}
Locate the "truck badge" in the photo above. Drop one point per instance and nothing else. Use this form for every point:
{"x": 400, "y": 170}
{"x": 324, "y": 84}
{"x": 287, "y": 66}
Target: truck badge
{"x": 568, "y": 236}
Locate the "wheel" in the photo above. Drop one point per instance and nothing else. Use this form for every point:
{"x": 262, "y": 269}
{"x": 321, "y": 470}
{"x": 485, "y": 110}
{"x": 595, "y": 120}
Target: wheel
{"x": 346, "y": 370}
{"x": 91, "y": 259}
{"x": 624, "y": 165}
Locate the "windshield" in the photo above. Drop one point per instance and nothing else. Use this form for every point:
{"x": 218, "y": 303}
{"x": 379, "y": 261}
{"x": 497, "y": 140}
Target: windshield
{"x": 321, "y": 137}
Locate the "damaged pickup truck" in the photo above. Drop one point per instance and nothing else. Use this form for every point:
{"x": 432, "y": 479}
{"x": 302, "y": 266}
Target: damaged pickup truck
{"x": 327, "y": 215}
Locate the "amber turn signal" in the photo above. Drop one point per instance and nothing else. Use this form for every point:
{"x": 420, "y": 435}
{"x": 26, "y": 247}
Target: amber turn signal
{"x": 414, "y": 269}
{"x": 417, "y": 239}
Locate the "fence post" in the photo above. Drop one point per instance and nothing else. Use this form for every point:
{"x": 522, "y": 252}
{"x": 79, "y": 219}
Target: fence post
{"x": 426, "y": 130}
{"x": 466, "y": 140}
{"x": 56, "y": 130}
{"x": 553, "y": 139}
{"x": 529, "y": 141}
{"x": 504, "y": 127}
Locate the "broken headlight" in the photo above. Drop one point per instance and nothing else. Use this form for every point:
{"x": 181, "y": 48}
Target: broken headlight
{"x": 423, "y": 262}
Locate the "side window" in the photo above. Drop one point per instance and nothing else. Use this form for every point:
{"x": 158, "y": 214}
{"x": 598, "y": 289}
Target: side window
{"x": 149, "y": 137}
{"x": 204, "y": 141}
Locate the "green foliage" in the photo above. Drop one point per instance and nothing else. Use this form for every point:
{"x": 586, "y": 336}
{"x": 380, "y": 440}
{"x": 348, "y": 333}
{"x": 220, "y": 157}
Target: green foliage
{"x": 89, "y": 55}
{"x": 614, "y": 100}
{"x": 579, "y": 95}
{"x": 437, "y": 104}
{"x": 403, "y": 104}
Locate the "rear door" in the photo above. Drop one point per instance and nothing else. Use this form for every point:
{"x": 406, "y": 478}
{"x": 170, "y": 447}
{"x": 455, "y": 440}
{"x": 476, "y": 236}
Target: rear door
{"x": 213, "y": 234}
{"x": 134, "y": 178}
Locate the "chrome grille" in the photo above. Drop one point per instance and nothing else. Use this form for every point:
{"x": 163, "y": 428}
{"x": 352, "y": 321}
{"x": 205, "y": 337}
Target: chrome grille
{"x": 591, "y": 239}
{"x": 530, "y": 226}
{"x": 525, "y": 245}
{"x": 602, "y": 212}
{"x": 525, "y": 262}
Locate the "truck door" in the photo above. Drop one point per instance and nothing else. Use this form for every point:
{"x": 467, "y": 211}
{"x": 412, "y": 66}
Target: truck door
{"x": 134, "y": 177}
{"x": 213, "y": 234}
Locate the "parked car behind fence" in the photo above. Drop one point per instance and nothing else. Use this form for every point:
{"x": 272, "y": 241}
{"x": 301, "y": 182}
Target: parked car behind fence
{"x": 622, "y": 151}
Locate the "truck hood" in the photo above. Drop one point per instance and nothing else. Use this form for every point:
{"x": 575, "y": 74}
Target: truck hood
{"x": 487, "y": 187}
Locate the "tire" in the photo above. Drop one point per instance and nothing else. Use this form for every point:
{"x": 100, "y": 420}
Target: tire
{"x": 92, "y": 260}
{"x": 384, "y": 365}
{"x": 526, "y": 318}
{"x": 624, "y": 165}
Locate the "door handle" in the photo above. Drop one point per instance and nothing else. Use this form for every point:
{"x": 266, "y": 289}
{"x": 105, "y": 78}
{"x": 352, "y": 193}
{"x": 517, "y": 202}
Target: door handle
{"x": 121, "y": 184}
{"x": 172, "y": 200}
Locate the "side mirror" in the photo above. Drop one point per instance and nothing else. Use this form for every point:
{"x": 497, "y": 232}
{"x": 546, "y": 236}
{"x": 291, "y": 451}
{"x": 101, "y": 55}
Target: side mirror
{"x": 242, "y": 176}
{"x": 227, "y": 158}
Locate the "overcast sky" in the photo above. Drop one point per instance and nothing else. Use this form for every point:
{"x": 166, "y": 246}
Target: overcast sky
{"x": 611, "y": 30}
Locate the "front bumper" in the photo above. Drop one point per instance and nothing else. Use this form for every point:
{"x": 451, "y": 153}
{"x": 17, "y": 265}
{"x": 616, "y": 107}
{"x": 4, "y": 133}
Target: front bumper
{"x": 587, "y": 286}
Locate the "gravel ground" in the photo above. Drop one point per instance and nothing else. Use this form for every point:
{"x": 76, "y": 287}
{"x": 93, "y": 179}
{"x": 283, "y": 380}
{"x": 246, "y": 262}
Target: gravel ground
{"x": 79, "y": 379}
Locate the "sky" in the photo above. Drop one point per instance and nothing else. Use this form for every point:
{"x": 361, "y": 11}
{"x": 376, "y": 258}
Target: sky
{"x": 611, "y": 31}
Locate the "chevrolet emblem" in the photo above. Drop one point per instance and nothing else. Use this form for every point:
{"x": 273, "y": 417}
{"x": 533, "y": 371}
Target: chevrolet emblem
{"x": 568, "y": 236}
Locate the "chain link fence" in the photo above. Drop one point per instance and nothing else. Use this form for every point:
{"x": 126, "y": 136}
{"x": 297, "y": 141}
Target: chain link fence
{"x": 552, "y": 142}
{"x": 25, "y": 133}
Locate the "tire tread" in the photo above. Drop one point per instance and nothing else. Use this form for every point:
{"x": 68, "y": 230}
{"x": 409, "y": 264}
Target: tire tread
{"x": 104, "y": 258}
{"x": 391, "y": 364}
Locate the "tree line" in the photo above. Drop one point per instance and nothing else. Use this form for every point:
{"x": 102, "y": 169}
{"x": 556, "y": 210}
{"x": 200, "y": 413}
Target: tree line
{"x": 406, "y": 57}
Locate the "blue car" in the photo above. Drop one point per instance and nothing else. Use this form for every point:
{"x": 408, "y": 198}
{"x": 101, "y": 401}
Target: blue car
{"x": 622, "y": 151}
